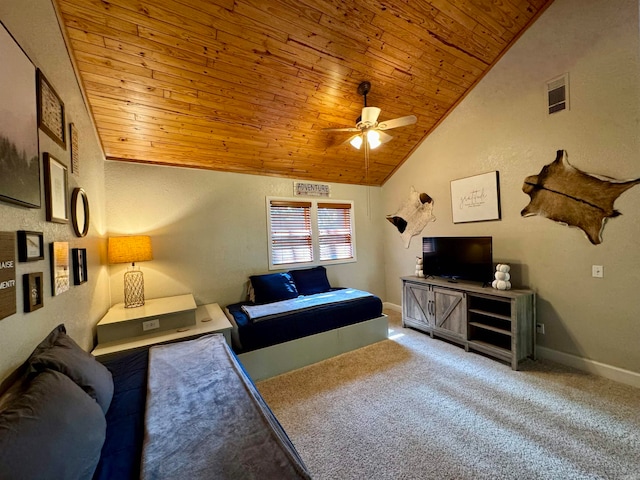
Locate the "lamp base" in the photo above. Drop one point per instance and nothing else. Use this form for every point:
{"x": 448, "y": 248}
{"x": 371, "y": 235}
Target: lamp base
{"x": 133, "y": 289}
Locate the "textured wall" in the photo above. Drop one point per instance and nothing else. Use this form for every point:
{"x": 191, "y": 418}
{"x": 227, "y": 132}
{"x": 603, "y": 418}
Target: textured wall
{"x": 209, "y": 230}
{"x": 33, "y": 24}
{"x": 502, "y": 125}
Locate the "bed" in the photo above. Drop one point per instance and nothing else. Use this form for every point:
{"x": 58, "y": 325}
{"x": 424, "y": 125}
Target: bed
{"x": 183, "y": 410}
{"x": 292, "y": 319}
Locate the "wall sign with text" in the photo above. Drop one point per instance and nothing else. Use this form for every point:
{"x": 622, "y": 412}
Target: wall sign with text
{"x": 305, "y": 189}
{"x": 7, "y": 274}
{"x": 476, "y": 199}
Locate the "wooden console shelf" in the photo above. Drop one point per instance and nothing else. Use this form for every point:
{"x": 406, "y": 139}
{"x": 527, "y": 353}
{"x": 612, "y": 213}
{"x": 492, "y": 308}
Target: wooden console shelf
{"x": 498, "y": 323}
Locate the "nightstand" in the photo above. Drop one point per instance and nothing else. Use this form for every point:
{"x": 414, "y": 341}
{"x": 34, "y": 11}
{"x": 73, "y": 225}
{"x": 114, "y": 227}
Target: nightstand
{"x": 160, "y": 320}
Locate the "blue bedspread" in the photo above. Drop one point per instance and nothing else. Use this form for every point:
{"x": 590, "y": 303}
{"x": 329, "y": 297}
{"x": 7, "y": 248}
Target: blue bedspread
{"x": 296, "y": 324}
{"x": 122, "y": 448}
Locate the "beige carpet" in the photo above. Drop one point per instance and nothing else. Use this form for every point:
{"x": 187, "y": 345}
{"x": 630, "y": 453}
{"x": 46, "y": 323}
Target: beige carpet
{"x": 415, "y": 408}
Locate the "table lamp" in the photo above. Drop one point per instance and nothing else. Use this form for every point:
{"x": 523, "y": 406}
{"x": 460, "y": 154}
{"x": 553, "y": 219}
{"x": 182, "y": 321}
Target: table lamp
{"x": 131, "y": 249}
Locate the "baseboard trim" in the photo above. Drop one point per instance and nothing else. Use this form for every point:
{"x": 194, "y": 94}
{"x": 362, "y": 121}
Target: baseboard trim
{"x": 591, "y": 366}
{"x": 392, "y": 306}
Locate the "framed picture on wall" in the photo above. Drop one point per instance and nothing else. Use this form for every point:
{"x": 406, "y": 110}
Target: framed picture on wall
{"x": 75, "y": 152}
{"x": 79, "y": 260}
{"x": 476, "y": 199}
{"x": 56, "y": 190}
{"x": 50, "y": 111}
{"x": 59, "y": 267}
{"x": 19, "y": 155}
{"x": 32, "y": 288}
{"x": 30, "y": 246}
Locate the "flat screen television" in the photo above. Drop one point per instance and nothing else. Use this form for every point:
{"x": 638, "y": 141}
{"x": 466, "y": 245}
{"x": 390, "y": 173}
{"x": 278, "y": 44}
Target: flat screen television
{"x": 458, "y": 258}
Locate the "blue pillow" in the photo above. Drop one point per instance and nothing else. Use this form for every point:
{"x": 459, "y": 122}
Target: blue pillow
{"x": 311, "y": 280}
{"x": 273, "y": 287}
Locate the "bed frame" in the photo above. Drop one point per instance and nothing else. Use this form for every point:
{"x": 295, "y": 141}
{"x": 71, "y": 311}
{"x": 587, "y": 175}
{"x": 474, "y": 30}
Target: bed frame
{"x": 277, "y": 359}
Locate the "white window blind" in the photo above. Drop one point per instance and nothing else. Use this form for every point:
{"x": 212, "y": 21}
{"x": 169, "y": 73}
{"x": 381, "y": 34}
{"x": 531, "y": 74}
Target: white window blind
{"x": 310, "y": 232}
{"x": 291, "y": 237}
{"x": 334, "y": 231}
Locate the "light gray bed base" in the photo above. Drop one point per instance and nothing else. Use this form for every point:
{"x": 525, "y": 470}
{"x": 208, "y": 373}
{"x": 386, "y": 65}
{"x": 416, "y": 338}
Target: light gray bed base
{"x": 277, "y": 359}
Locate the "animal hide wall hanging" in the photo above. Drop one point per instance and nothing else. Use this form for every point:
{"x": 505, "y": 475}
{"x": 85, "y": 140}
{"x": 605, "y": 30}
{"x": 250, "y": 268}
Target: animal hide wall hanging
{"x": 562, "y": 193}
{"x": 413, "y": 215}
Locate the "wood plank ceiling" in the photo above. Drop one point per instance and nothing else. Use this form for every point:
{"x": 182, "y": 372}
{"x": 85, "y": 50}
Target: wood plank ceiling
{"x": 249, "y": 85}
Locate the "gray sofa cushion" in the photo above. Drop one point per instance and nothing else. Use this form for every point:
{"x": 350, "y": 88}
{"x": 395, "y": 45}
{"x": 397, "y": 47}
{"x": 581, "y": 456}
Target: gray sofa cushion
{"x": 61, "y": 353}
{"x": 53, "y": 430}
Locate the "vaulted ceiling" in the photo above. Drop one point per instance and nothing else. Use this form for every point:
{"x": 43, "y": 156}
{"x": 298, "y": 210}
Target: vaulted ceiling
{"x": 249, "y": 85}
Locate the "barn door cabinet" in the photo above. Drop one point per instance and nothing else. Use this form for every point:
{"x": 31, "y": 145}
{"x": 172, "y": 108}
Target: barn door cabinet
{"x": 498, "y": 323}
{"x": 435, "y": 310}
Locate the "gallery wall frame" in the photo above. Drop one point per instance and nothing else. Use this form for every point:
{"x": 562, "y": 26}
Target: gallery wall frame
{"x": 75, "y": 149}
{"x": 79, "y": 260}
{"x": 19, "y": 149}
{"x": 56, "y": 189}
{"x": 59, "y": 267}
{"x": 51, "y": 119}
{"x": 30, "y": 246}
{"x": 7, "y": 274}
{"x": 80, "y": 212}
{"x": 32, "y": 284}
{"x": 476, "y": 198}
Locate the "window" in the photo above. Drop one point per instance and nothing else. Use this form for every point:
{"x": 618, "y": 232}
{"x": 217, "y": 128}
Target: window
{"x": 309, "y": 232}
{"x": 334, "y": 231}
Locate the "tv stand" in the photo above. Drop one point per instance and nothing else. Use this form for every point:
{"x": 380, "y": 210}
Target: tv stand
{"x": 498, "y": 323}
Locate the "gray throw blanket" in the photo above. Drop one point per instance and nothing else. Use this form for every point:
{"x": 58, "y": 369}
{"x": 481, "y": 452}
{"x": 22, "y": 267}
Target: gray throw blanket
{"x": 258, "y": 313}
{"x": 205, "y": 419}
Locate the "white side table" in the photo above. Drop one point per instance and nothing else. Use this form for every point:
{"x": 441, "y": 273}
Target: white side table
{"x": 208, "y": 319}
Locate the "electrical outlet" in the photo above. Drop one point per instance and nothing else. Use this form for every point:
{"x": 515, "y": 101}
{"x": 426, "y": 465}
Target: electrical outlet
{"x": 597, "y": 271}
{"x": 540, "y": 328}
{"x": 150, "y": 324}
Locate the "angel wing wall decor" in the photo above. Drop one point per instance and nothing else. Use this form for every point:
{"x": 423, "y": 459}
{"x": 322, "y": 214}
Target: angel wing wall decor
{"x": 564, "y": 194}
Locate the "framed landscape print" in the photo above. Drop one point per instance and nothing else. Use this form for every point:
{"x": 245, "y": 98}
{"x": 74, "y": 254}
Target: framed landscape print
{"x": 50, "y": 111}
{"x": 19, "y": 155}
{"x": 56, "y": 190}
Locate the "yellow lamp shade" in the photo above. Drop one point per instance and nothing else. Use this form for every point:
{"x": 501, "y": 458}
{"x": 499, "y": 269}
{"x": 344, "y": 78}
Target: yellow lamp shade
{"x": 130, "y": 249}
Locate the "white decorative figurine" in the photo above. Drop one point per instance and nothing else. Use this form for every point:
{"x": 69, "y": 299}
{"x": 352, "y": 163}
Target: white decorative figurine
{"x": 419, "y": 272}
{"x": 502, "y": 281}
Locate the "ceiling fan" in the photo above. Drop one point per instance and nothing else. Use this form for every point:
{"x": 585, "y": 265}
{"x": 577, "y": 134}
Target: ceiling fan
{"x": 367, "y": 125}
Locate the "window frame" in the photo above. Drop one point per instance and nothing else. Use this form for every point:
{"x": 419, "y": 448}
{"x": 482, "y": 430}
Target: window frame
{"x": 315, "y": 236}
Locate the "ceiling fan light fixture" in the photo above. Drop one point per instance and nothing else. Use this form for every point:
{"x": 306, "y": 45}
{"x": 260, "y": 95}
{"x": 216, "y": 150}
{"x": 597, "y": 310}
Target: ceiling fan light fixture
{"x": 373, "y": 137}
{"x": 369, "y": 116}
{"x": 356, "y": 141}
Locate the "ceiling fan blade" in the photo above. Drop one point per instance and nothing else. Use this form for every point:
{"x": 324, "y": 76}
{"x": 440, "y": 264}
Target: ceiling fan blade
{"x": 397, "y": 122}
{"x": 384, "y": 137}
{"x": 346, "y": 129}
{"x": 370, "y": 115}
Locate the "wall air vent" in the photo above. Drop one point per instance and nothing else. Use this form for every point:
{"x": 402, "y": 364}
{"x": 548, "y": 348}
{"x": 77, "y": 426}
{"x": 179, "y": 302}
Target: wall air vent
{"x": 558, "y": 94}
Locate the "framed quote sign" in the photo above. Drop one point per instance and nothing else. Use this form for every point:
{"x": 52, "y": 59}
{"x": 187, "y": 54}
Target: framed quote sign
{"x": 476, "y": 199}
